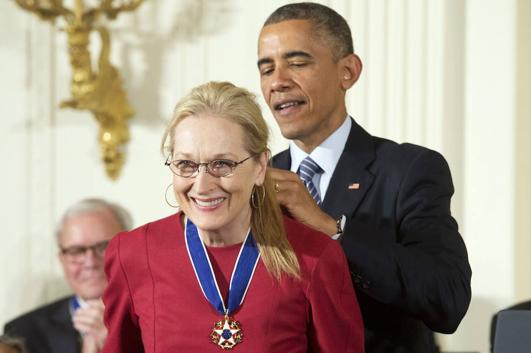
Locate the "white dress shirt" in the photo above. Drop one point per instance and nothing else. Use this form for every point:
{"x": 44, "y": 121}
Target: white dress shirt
{"x": 326, "y": 155}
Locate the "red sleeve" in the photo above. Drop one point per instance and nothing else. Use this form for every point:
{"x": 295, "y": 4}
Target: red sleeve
{"x": 336, "y": 322}
{"x": 119, "y": 317}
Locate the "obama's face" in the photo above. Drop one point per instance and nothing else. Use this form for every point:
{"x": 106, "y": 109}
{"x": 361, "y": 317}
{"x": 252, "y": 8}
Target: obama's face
{"x": 302, "y": 82}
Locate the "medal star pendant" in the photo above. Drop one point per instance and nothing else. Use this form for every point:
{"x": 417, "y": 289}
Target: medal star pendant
{"x": 226, "y": 333}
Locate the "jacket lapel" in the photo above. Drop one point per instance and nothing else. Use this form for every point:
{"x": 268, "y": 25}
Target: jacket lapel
{"x": 352, "y": 178}
{"x": 282, "y": 160}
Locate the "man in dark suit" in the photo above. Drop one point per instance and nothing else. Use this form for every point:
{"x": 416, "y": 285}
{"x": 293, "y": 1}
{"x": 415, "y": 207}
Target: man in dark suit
{"x": 388, "y": 203}
{"x": 75, "y": 324}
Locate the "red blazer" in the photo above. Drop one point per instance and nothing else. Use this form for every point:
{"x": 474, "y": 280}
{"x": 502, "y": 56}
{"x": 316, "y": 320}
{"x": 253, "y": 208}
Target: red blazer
{"x": 153, "y": 302}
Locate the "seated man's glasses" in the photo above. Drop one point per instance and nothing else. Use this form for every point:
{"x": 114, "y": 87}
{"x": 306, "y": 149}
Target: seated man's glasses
{"x": 77, "y": 253}
{"x": 217, "y": 168}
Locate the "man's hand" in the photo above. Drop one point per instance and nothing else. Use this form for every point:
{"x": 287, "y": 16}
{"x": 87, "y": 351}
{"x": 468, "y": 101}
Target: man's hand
{"x": 89, "y": 322}
{"x": 294, "y": 197}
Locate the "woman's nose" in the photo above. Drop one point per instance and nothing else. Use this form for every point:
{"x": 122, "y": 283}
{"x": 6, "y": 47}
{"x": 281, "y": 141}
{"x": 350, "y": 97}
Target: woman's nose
{"x": 204, "y": 180}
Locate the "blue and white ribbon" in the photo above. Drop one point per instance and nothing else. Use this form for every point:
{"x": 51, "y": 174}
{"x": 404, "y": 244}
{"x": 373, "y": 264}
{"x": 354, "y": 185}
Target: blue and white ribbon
{"x": 242, "y": 273}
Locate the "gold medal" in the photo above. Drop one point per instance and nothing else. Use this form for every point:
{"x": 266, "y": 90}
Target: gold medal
{"x": 226, "y": 333}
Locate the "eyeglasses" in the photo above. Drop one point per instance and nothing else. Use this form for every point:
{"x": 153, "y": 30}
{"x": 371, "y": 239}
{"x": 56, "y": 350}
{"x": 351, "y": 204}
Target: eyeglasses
{"x": 217, "y": 168}
{"x": 77, "y": 253}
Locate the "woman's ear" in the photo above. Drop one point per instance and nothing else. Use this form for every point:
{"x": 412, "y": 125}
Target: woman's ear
{"x": 262, "y": 163}
{"x": 351, "y": 67}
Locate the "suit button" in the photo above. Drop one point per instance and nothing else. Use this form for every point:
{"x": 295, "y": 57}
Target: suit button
{"x": 366, "y": 284}
{"x": 357, "y": 278}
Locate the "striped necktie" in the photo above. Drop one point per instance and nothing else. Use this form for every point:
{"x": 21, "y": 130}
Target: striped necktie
{"x": 307, "y": 170}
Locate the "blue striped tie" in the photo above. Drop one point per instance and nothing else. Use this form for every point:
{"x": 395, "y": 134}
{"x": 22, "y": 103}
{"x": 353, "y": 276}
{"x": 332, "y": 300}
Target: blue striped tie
{"x": 307, "y": 170}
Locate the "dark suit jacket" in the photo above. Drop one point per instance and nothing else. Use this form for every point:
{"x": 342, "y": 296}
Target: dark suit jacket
{"x": 47, "y": 329}
{"x": 408, "y": 263}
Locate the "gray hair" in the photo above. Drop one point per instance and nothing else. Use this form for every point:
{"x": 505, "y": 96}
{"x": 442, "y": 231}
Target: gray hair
{"x": 94, "y": 204}
{"x": 12, "y": 342}
{"x": 329, "y": 25}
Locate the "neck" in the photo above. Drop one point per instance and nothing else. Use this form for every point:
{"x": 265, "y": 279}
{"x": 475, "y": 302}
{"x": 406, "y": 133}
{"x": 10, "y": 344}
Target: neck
{"x": 229, "y": 235}
{"x": 307, "y": 146}
{"x": 327, "y": 128}
{"x": 219, "y": 242}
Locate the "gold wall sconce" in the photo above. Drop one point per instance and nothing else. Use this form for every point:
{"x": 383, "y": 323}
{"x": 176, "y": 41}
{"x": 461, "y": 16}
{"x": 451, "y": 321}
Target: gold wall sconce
{"x": 97, "y": 90}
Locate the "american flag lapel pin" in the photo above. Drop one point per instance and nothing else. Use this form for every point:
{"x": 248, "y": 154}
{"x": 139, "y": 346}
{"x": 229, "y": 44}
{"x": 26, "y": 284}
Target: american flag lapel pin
{"x": 354, "y": 186}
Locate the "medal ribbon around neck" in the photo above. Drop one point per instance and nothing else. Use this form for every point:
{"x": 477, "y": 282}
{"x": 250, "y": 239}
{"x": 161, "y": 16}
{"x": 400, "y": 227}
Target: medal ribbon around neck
{"x": 242, "y": 273}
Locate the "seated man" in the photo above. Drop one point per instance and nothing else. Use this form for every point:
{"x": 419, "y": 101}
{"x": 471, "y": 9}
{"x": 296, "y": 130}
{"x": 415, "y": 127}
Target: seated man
{"x": 75, "y": 324}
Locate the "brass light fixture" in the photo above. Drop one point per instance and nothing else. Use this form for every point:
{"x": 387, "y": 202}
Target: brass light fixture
{"x": 99, "y": 91}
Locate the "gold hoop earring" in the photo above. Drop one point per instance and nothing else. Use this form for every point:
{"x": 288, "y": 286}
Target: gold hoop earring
{"x": 254, "y": 203}
{"x": 166, "y": 197}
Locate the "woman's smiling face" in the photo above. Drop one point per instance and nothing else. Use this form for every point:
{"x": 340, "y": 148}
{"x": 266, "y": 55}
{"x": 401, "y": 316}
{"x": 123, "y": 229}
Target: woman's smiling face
{"x": 217, "y": 205}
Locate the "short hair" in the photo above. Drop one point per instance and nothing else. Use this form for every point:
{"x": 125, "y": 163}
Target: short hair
{"x": 223, "y": 100}
{"x": 92, "y": 205}
{"x": 12, "y": 342}
{"x": 329, "y": 25}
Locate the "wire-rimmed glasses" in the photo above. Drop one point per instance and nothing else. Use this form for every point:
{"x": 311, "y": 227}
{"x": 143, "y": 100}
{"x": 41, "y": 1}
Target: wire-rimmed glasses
{"x": 217, "y": 167}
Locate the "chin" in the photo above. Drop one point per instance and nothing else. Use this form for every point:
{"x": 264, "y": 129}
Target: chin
{"x": 290, "y": 133}
{"x": 92, "y": 291}
{"x": 206, "y": 224}
{"x": 91, "y": 294}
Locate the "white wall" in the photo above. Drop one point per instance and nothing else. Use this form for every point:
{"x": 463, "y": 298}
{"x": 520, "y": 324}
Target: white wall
{"x": 443, "y": 73}
{"x": 488, "y": 163}
{"x": 523, "y": 150}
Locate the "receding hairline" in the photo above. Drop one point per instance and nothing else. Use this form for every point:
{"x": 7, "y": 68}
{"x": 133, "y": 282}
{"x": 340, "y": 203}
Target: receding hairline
{"x": 91, "y": 206}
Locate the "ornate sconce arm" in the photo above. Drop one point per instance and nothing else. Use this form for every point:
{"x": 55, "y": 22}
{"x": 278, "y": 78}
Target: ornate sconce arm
{"x": 98, "y": 90}
{"x": 46, "y": 10}
{"x": 112, "y": 11}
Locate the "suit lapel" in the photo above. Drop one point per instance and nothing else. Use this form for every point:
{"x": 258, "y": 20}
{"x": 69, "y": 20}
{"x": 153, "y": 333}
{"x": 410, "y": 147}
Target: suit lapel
{"x": 63, "y": 335}
{"x": 282, "y": 160}
{"x": 352, "y": 178}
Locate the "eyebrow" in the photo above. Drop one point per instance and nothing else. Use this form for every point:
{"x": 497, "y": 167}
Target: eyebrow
{"x": 187, "y": 156}
{"x": 288, "y": 55}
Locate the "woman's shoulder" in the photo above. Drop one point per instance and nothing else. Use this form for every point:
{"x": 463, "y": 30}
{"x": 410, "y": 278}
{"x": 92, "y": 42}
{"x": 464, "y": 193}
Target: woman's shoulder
{"x": 146, "y": 239}
{"x": 159, "y": 225}
{"x": 320, "y": 257}
{"x": 158, "y": 228}
{"x": 309, "y": 244}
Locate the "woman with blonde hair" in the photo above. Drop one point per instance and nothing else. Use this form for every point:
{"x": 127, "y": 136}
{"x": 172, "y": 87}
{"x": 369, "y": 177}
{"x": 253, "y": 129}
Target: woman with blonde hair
{"x": 228, "y": 270}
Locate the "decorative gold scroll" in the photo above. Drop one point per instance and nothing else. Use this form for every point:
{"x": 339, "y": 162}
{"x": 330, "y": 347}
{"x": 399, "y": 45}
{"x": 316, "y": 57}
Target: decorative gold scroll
{"x": 99, "y": 91}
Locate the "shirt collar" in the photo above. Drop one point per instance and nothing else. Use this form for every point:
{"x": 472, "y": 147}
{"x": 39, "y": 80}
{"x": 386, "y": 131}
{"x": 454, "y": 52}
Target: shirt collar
{"x": 82, "y": 303}
{"x": 327, "y": 154}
